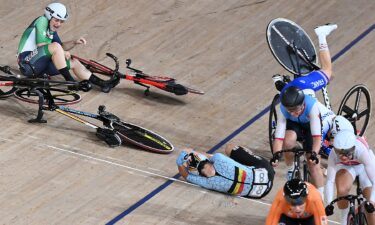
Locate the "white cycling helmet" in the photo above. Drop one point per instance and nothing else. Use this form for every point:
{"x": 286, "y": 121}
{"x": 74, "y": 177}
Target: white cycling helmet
{"x": 340, "y": 123}
{"x": 56, "y": 10}
{"x": 344, "y": 142}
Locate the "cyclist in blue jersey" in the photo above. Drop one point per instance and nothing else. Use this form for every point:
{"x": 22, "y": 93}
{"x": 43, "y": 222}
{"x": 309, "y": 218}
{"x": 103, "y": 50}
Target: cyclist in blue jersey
{"x": 316, "y": 80}
{"x": 41, "y": 50}
{"x": 300, "y": 120}
{"x": 242, "y": 173}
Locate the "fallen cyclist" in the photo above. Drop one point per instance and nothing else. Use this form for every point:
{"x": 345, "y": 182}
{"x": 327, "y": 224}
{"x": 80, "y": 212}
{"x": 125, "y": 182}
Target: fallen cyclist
{"x": 239, "y": 172}
{"x": 41, "y": 51}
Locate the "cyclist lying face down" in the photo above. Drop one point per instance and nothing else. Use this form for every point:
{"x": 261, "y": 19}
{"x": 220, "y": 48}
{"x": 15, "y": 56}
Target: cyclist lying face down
{"x": 351, "y": 158}
{"x": 239, "y": 172}
{"x": 297, "y": 203}
{"x": 41, "y": 51}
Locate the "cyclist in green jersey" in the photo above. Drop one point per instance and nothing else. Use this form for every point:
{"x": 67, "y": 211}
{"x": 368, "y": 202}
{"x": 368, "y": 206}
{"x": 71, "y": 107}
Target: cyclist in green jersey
{"x": 41, "y": 51}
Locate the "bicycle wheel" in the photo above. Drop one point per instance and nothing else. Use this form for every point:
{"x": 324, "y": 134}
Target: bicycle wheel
{"x": 7, "y": 91}
{"x": 361, "y": 218}
{"x": 272, "y": 120}
{"x": 60, "y": 96}
{"x": 291, "y": 46}
{"x": 143, "y": 138}
{"x": 356, "y": 108}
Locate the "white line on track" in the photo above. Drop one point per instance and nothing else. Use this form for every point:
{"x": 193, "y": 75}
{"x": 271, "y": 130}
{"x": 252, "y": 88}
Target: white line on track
{"x": 144, "y": 171}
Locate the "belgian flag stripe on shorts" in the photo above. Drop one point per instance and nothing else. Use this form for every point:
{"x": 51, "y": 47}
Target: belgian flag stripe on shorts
{"x": 239, "y": 180}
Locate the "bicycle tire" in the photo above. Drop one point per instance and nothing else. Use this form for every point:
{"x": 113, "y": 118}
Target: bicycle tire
{"x": 355, "y": 113}
{"x": 60, "y": 96}
{"x": 272, "y": 121}
{"x": 7, "y": 91}
{"x": 361, "y": 218}
{"x": 283, "y": 32}
{"x": 143, "y": 137}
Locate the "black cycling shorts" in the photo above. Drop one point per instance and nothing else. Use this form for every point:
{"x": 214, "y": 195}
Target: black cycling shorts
{"x": 248, "y": 158}
{"x": 303, "y": 132}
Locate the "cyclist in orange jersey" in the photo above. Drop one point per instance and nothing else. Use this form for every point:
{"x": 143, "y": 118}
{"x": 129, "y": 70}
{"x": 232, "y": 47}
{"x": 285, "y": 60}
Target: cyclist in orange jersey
{"x": 297, "y": 203}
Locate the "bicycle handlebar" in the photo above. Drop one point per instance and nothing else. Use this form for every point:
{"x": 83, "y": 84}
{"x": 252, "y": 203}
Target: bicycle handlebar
{"x": 351, "y": 198}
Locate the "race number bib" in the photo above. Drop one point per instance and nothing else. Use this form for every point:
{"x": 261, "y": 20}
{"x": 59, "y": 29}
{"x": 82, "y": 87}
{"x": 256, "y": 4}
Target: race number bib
{"x": 260, "y": 182}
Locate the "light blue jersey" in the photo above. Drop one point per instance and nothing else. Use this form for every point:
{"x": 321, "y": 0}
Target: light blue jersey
{"x": 234, "y": 178}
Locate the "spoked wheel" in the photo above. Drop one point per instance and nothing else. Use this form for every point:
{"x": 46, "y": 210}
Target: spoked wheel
{"x": 356, "y": 107}
{"x": 272, "y": 121}
{"x": 60, "y": 96}
{"x": 143, "y": 138}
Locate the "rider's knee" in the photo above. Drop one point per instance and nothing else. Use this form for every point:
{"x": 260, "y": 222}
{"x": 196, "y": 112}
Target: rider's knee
{"x": 55, "y": 48}
{"x": 228, "y": 148}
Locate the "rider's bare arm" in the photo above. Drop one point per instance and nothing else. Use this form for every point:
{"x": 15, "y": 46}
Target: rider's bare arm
{"x": 68, "y": 45}
{"x": 279, "y": 132}
{"x": 183, "y": 171}
{"x": 368, "y": 159}
{"x": 316, "y": 128}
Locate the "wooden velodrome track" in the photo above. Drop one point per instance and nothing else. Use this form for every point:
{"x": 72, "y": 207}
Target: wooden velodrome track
{"x": 60, "y": 173}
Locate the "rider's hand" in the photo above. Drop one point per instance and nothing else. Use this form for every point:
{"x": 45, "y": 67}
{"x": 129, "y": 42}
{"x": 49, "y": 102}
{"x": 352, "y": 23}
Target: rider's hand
{"x": 80, "y": 40}
{"x": 369, "y": 207}
{"x": 314, "y": 157}
{"x": 85, "y": 85}
{"x": 182, "y": 158}
{"x": 275, "y": 160}
{"x": 67, "y": 55}
{"x": 329, "y": 210}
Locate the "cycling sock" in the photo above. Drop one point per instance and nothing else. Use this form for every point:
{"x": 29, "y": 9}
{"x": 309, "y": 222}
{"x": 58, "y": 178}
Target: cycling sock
{"x": 323, "y": 46}
{"x": 344, "y": 215}
{"x": 66, "y": 74}
{"x": 289, "y": 172}
{"x": 321, "y": 191}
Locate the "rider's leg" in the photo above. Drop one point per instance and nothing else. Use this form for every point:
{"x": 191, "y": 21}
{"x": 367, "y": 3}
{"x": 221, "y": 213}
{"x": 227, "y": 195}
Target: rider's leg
{"x": 344, "y": 182}
{"x": 58, "y": 58}
{"x": 290, "y": 141}
{"x": 79, "y": 70}
{"x": 324, "y": 55}
{"x": 370, "y": 216}
{"x": 366, "y": 187}
{"x": 84, "y": 74}
{"x": 316, "y": 175}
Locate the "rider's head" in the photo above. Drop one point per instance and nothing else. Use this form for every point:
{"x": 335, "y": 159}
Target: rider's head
{"x": 344, "y": 143}
{"x": 194, "y": 161}
{"x": 292, "y": 98}
{"x": 340, "y": 123}
{"x": 57, "y": 11}
{"x": 295, "y": 192}
{"x": 206, "y": 168}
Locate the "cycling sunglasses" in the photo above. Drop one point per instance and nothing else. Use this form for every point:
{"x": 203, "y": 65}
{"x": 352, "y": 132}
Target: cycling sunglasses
{"x": 345, "y": 152}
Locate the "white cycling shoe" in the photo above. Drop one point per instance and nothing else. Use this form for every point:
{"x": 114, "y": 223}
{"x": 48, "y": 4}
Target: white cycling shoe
{"x": 325, "y": 30}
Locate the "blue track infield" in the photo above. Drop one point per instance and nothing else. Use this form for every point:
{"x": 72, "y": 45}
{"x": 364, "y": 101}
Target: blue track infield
{"x": 229, "y": 137}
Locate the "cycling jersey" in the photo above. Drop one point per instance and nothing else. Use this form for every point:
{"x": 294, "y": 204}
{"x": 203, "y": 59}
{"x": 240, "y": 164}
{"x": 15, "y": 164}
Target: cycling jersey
{"x": 314, "y": 207}
{"x": 311, "y": 83}
{"x": 315, "y": 81}
{"x": 29, "y": 54}
{"x": 311, "y": 114}
{"x": 362, "y": 164}
{"x": 38, "y": 32}
{"x": 234, "y": 178}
